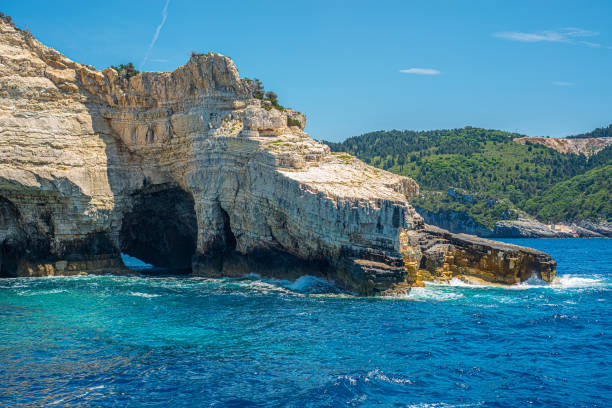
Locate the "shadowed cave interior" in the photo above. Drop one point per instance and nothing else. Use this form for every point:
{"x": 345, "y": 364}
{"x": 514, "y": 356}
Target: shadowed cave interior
{"x": 10, "y": 236}
{"x": 161, "y": 228}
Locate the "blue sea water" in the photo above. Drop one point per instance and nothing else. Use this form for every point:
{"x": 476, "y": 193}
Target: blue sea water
{"x": 250, "y": 342}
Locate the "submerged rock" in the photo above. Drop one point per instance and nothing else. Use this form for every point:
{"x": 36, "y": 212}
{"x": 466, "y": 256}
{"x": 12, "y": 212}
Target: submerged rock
{"x": 187, "y": 170}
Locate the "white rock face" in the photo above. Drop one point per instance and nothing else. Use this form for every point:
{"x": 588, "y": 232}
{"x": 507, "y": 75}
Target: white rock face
{"x": 185, "y": 169}
{"x": 81, "y": 147}
{"x": 585, "y": 146}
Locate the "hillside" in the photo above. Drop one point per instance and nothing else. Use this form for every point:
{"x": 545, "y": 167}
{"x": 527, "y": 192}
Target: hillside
{"x": 484, "y": 174}
{"x": 586, "y": 196}
{"x": 598, "y": 133}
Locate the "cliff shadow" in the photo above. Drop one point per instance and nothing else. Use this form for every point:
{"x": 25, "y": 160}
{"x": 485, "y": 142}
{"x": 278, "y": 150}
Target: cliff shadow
{"x": 160, "y": 228}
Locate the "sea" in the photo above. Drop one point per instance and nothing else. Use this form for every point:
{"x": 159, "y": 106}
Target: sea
{"x": 117, "y": 341}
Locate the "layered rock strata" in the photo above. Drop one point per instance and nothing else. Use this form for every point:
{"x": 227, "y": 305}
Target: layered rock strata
{"x": 438, "y": 255}
{"x": 187, "y": 170}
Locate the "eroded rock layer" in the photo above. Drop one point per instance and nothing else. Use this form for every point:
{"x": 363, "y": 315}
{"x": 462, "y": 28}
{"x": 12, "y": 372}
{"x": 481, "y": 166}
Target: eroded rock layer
{"x": 186, "y": 169}
{"x": 435, "y": 254}
{"x": 587, "y": 146}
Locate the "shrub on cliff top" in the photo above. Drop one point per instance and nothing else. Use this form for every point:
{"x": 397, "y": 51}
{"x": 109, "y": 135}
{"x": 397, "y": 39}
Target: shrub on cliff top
{"x": 6, "y": 18}
{"x": 293, "y": 122}
{"x": 258, "y": 91}
{"x": 199, "y": 54}
{"x": 272, "y": 97}
{"x": 126, "y": 70}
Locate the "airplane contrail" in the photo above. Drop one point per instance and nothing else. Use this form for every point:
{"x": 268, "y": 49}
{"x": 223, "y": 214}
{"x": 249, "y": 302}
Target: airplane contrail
{"x": 159, "y": 27}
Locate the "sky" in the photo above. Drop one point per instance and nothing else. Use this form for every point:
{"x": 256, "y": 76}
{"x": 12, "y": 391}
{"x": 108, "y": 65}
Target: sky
{"x": 537, "y": 67}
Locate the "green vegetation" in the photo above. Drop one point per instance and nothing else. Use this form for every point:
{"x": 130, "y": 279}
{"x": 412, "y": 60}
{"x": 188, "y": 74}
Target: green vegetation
{"x": 599, "y": 132}
{"x": 481, "y": 161}
{"x": 603, "y": 157}
{"x": 269, "y": 99}
{"x": 126, "y": 70}
{"x": 587, "y": 196}
{"x": 482, "y": 209}
{"x": 293, "y": 122}
{"x": 199, "y": 54}
{"x": 6, "y": 18}
{"x": 500, "y": 175}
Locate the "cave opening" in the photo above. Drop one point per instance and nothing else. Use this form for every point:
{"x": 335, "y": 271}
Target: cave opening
{"x": 9, "y": 260}
{"x": 11, "y": 247}
{"x": 160, "y": 230}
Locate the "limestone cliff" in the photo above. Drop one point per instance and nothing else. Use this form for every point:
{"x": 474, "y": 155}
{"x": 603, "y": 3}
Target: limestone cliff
{"x": 185, "y": 169}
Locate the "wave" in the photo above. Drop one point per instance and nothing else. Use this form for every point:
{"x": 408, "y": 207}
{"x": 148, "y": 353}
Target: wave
{"x": 153, "y": 287}
{"x": 572, "y": 281}
{"x": 313, "y": 285}
{"x": 144, "y": 295}
{"x": 566, "y": 281}
{"x": 34, "y": 292}
{"x": 429, "y": 293}
{"x": 457, "y": 289}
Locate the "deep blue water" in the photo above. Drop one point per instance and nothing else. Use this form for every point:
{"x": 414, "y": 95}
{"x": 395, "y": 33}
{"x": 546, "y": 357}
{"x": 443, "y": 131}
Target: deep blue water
{"x": 130, "y": 341}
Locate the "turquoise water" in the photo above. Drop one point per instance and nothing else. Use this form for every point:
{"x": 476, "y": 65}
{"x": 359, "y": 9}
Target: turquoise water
{"x": 132, "y": 341}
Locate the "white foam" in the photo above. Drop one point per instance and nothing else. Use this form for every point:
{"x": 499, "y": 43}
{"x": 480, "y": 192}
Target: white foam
{"x": 144, "y": 295}
{"x": 431, "y": 293}
{"x": 534, "y": 281}
{"x": 561, "y": 282}
{"x": 379, "y": 375}
{"x": 264, "y": 287}
{"x": 35, "y": 292}
{"x": 571, "y": 281}
{"x": 459, "y": 283}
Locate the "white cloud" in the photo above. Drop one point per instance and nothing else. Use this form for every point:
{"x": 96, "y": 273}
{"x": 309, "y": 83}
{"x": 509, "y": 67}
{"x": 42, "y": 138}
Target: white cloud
{"x": 420, "y": 71}
{"x": 563, "y": 35}
{"x": 568, "y": 35}
{"x": 159, "y": 27}
{"x": 562, "y": 83}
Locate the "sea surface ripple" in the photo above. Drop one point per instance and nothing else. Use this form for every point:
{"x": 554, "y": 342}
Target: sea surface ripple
{"x": 252, "y": 342}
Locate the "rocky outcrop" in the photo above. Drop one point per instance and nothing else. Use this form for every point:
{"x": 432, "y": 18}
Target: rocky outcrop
{"x": 531, "y": 228}
{"x": 585, "y": 146}
{"x": 186, "y": 169}
{"x": 438, "y": 255}
{"x": 460, "y": 222}
{"x": 455, "y": 221}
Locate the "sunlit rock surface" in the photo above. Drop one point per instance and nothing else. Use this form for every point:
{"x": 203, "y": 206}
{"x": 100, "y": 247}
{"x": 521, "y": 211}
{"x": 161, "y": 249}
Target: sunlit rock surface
{"x": 587, "y": 146}
{"x": 187, "y": 170}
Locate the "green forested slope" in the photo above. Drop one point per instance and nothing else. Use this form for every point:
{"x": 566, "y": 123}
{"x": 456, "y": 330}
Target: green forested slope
{"x": 599, "y": 132}
{"x": 586, "y": 196}
{"x": 496, "y": 174}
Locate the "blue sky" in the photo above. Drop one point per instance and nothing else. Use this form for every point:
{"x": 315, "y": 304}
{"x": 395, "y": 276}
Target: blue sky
{"x": 538, "y": 67}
